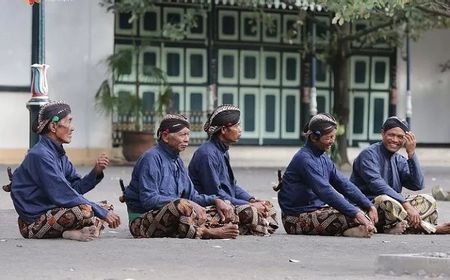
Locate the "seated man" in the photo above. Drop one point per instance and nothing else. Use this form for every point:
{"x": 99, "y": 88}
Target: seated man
{"x": 317, "y": 199}
{"x": 46, "y": 190}
{"x": 381, "y": 172}
{"x": 161, "y": 199}
{"x": 211, "y": 172}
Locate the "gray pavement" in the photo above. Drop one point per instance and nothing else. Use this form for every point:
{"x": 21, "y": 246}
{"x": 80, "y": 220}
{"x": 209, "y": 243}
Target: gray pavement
{"x": 279, "y": 156}
{"x": 118, "y": 256}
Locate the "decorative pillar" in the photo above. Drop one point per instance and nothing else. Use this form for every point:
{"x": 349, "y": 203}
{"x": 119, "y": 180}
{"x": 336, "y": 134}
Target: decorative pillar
{"x": 39, "y": 96}
{"x": 39, "y": 87}
{"x": 408, "y": 81}
{"x": 393, "y": 94}
{"x": 313, "y": 99}
{"x": 212, "y": 59}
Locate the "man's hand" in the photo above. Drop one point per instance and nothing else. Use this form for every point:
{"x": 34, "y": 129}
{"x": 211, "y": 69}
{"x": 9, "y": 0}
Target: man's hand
{"x": 226, "y": 211}
{"x": 413, "y": 215}
{"x": 112, "y": 219}
{"x": 364, "y": 220}
{"x": 373, "y": 214}
{"x": 410, "y": 144}
{"x": 101, "y": 163}
{"x": 261, "y": 207}
{"x": 200, "y": 211}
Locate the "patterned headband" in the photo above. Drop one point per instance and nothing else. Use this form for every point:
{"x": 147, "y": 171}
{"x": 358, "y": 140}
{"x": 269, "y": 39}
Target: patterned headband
{"x": 173, "y": 123}
{"x": 319, "y": 124}
{"x": 53, "y": 111}
{"x": 222, "y": 116}
{"x": 393, "y": 122}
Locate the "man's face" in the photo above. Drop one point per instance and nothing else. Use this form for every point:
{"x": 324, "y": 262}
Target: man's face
{"x": 393, "y": 139}
{"x": 177, "y": 141}
{"x": 231, "y": 134}
{"x": 63, "y": 130}
{"x": 325, "y": 141}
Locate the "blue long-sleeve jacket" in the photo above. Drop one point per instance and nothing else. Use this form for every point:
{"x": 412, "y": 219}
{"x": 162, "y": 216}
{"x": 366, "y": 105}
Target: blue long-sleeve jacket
{"x": 158, "y": 178}
{"x": 377, "y": 171}
{"x": 311, "y": 181}
{"x": 46, "y": 179}
{"x": 211, "y": 173}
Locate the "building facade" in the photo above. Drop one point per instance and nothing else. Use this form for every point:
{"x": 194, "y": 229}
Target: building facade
{"x": 233, "y": 56}
{"x": 228, "y": 57}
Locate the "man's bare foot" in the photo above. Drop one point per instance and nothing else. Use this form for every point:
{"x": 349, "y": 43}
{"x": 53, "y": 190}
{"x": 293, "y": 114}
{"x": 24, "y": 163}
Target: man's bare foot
{"x": 399, "y": 228}
{"x": 84, "y": 234}
{"x": 99, "y": 225}
{"x": 443, "y": 228}
{"x": 359, "y": 231}
{"x": 227, "y": 231}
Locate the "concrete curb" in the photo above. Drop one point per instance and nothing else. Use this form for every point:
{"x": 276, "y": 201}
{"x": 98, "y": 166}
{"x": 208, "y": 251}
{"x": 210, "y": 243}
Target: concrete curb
{"x": 425, "y": 264}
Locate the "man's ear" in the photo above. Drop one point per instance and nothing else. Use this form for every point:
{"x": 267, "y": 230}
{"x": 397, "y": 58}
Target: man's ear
{"x": 165, "y": 136}
{"x": 314, "y": 138}
{"x": 52, "y": 127}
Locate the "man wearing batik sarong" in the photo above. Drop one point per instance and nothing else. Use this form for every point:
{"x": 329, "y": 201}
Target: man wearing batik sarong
{"x": 381, "y": 173}
{"x": 48, "y": 193}
{"x": 211, "y": 172}
{"x": 161, "y": 199}
{"x": 317, "y": 199}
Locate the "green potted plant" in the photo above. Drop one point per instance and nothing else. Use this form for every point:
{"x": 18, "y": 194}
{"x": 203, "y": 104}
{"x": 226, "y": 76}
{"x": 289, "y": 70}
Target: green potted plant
{"x": 136, "y": 135}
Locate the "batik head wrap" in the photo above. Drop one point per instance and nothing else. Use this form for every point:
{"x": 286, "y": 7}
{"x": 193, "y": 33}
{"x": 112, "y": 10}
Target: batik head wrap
{"x": 320, "y": 124}
{"x": 53, "y": 111}
{"x": 223, "y": 116}
{"x": 393, "y": 122}
{"x": 172, "y": 123}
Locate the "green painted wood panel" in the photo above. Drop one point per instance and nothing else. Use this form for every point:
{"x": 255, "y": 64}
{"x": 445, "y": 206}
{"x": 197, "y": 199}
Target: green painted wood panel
{"x": 249, "y": 112}
{"x": 270, "y": 113}
{"x": 358, "y": 115}
{"x": 196, "y": 65}
{"x": 378, "y": 114}
{"x": 290, "y": 113}
{"x": 227, "y": 98}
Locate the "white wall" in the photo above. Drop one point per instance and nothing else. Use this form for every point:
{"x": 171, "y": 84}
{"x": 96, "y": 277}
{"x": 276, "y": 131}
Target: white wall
{"x": 15, "y": 47}
{"x": 430, "y": 88}
{"x": 15, "y": 120}
{"x": 15, "y": 55}
{"x": 79, "y": 34}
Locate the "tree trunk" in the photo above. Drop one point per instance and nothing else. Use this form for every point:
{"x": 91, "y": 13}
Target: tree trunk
{"x": 341, "y": 93}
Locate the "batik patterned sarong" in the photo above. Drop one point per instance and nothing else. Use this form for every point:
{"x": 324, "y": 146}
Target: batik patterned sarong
{"x": 324, "y": 221}
{"x": 175, "y": 219}
{"x": 391, "y": 212}
{"x": 253, "y": 223}
{"x": 53, "y": 223}
{"x": 179, "y": 219}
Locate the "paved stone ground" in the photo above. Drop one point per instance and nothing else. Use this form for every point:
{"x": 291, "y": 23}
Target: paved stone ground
{"x": 117, "y": 256}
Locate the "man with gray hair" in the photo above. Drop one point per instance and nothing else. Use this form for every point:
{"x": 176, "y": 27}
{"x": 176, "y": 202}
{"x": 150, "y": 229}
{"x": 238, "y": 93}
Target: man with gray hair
{"x": 315, "y": 198}
{"x": 161, "y": 198}
{"x": 47, "y": 191}
{"x": 381, "y": 172}
{"x": 211, "y": 172}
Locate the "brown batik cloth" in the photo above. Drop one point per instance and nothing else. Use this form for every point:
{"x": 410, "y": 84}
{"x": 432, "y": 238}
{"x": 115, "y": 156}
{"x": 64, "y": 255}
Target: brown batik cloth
{"x": 53, "y": 223}
{"x": 168, "y": 221}
{"x": 253, "y": 223}
{"x": 324, "y": 221}
{"x": 391, "y": 212}
{"x": 179, "y": 219}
